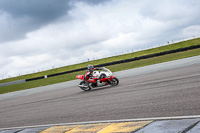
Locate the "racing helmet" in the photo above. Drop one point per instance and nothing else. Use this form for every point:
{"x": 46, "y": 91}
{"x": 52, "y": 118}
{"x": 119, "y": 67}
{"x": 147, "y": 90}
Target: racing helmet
{"x": 90, "y": 67}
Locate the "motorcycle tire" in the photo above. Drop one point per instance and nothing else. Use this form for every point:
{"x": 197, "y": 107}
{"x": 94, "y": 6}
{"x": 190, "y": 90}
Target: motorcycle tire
{"x": 114, "y": 81}
{"x": 85, "y": 88}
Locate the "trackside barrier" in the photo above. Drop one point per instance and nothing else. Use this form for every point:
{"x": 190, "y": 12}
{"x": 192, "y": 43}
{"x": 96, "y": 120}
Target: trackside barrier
{"x": 13, "y": 82}
{"x": 150, "y": 56}
{"x": 106, "y": 64}
{"x": 36, "y": 78}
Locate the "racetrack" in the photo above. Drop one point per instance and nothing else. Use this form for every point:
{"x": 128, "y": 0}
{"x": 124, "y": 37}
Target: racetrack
{"x": 173, "y": 92}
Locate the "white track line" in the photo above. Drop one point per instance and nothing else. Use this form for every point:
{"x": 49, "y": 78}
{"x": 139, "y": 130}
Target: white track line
{"x": 108, "y": 121}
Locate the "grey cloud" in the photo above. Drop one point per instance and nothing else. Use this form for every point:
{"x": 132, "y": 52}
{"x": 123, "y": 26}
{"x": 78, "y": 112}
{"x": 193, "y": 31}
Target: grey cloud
{"x": 41, "y": 9}
{"x": 165, "y": 11}
{"x": 94, "y": 1}
{"x": 24, "y": 16}
{"x": 176, "y": 15}
{"x": 27, "y": 15}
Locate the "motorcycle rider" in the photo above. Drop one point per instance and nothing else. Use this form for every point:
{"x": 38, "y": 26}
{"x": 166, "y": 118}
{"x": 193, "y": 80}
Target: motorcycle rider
{"x": 89, "y": 72}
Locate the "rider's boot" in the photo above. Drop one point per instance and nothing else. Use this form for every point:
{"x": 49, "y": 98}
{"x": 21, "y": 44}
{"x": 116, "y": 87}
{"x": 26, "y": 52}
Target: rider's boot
{"x": 108, "y": 81}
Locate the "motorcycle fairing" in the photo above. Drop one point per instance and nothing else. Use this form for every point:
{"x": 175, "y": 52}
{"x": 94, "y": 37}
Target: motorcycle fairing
{"x": 80, "y": 77}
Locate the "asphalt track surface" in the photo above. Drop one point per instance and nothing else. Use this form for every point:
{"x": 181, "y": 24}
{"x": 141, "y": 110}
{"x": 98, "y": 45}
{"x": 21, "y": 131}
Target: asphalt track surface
{"x": 166, "y": 93}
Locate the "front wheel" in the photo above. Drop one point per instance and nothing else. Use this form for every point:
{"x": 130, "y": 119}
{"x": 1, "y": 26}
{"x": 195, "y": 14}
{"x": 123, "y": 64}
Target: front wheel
{"x": 84, "y": 86}
{"x": 114, "y": 81}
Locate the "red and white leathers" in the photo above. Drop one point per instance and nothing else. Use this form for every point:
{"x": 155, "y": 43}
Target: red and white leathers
{"x": 89, "y": 73}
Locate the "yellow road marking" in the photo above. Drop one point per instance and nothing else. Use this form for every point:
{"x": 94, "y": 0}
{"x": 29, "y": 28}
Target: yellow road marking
{"x": 125, "y": 127}
{"x": 89, "y": 128}
{"x": 59, "y": 129}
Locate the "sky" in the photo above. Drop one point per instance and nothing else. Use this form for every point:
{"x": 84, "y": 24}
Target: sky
{"x": 38, "y": 35}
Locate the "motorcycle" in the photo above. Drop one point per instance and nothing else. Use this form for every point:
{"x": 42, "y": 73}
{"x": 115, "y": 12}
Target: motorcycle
{"x": 99, "y": 78}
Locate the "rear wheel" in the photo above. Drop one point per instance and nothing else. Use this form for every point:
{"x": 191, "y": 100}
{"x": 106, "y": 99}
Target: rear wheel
{"x": 114, "y": 81}
{"x": 85, "y": 86}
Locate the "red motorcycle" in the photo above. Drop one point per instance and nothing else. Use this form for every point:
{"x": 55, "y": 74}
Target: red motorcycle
{"x": 99, "y": 78}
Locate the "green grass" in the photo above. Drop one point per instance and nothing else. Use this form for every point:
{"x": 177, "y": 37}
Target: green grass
{"x": 106, "y": 60}
{"x": 113, "y": 68}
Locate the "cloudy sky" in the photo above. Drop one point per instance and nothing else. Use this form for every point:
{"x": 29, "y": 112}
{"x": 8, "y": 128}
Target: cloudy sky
{"x": 37, "y": 35}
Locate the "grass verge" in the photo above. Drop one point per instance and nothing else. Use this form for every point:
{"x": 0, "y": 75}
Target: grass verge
{"x": 113, "y": 68}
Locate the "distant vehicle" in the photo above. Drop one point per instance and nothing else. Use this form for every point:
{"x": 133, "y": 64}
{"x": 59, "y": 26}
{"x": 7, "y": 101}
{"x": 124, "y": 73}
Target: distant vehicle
{"x": 99, "y": 78}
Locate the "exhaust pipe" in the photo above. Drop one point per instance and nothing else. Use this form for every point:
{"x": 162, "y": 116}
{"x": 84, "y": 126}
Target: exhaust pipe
{"x": 83, "y": 86}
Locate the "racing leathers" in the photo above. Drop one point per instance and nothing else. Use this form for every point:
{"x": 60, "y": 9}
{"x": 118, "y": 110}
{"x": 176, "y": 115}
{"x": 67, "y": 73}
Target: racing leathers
{"x": 89, "y": 73}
